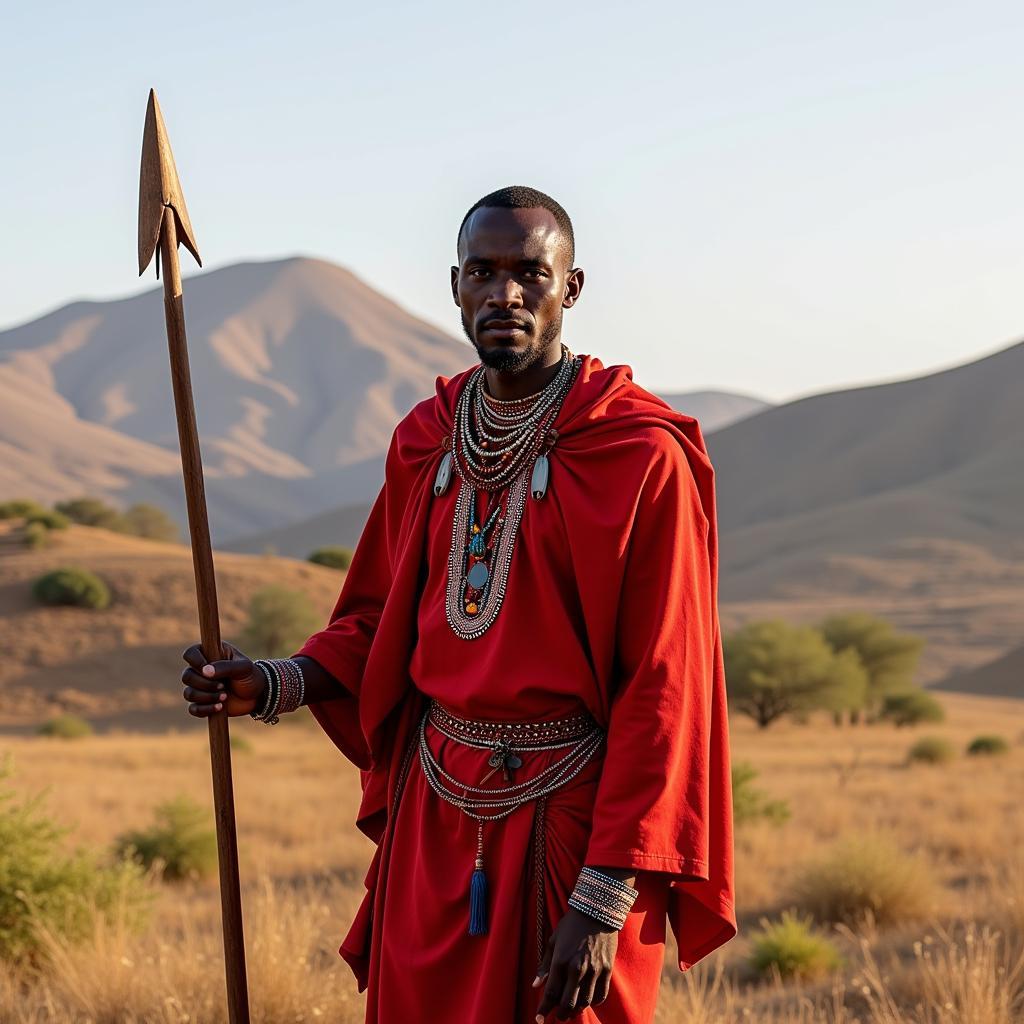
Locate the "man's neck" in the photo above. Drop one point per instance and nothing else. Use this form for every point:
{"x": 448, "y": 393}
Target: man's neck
{"x": 508, "y": 386}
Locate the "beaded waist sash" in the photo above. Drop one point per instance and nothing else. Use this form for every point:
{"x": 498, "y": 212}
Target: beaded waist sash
{"x": 557, "y": 732}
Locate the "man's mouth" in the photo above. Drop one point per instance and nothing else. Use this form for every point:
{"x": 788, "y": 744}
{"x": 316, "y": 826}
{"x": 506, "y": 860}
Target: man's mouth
{"x": 504, "y": 325}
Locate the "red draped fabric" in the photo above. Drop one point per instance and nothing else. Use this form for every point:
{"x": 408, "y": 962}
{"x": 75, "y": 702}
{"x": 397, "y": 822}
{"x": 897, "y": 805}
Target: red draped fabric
{"x": 611, "y": 607}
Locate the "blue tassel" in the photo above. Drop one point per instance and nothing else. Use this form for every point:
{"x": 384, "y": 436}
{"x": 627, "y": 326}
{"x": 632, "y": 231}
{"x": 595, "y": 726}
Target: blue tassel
{"x": 478, "y": 901}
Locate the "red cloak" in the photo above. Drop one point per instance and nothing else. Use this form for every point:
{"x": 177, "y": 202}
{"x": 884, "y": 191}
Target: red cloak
{"x": 630, "y": 509}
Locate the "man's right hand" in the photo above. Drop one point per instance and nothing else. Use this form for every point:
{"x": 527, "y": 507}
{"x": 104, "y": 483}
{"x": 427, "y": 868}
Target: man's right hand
{"x": 235, "y": 685}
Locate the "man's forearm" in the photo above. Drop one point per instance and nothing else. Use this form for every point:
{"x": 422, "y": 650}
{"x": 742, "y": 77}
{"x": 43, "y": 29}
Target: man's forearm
{"x": 320, "y": 684}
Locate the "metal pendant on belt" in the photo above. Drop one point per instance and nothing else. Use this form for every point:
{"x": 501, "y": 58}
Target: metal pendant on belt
{"x": 505, "y": 758}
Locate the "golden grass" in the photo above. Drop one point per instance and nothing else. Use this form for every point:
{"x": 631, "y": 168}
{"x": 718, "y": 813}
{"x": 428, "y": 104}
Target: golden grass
{"x": 302, "y": 863}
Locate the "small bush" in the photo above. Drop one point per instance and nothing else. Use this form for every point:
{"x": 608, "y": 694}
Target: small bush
{"x": 91, "y": 512}
{"x": 36, "y": 535}
{"x": 65, "y": 727}
{"x": 41, "y": 884}
{"x": 750, "y": 804}
{"x": 793, "y": 947}
{"x": 911, "y": 708}
{"x": 149, "y": 521}
{"x": 179, "y": 843}
{"x": 932, "y": 750}
{"x": 864, "y": 875}
{"x": 333, "y": 558}
{"x": 72, "y": 586}
{"x": 16, "y": 508}
{"x": 280, "y": 621}
{"x": 987, "y": 746}
{"x": 48, "y": 518}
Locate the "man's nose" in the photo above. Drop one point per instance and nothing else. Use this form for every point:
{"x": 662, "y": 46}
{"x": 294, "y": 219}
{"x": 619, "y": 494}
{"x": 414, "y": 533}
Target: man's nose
{"x": 506, "y": 294}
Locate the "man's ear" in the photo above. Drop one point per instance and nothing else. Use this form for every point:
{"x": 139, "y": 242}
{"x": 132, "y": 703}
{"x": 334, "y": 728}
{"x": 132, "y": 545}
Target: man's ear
{"x": 455, "y": 285}
{"x": 573, "y": 287}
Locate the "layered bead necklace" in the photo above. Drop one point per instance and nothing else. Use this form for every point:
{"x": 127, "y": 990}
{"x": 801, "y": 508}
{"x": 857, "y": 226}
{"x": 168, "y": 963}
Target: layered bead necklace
{"x": 494, "y": 446}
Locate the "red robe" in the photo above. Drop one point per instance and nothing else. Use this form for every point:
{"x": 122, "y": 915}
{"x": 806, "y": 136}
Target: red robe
{"x": 611, "y": 606}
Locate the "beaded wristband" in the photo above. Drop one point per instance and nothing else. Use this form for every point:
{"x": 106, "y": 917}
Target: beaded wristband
{"x": 286, "y": 688}
{"x": 269, "y": 713}
{"x": 606, "y": 899}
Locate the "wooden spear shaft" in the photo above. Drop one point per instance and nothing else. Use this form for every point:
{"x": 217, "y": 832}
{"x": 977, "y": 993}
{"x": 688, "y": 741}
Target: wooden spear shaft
{"x": 209, "y": 622}
{"x": 161, "y": 212}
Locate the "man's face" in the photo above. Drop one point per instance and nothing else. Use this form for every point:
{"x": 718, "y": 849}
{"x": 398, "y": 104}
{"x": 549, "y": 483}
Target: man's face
{"x": 512, "y": 283}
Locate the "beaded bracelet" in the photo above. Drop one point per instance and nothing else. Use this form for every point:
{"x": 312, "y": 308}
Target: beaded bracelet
{"x": 286, "y": 688}
{"x": 606, "y": 899}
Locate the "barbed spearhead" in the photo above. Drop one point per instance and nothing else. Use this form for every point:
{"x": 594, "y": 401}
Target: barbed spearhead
{"x": 159, "y": 187}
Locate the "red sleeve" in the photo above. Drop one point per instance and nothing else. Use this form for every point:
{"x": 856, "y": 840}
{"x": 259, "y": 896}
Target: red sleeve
{"x": 343, "y": 645}
{"x": 664, "y": 800}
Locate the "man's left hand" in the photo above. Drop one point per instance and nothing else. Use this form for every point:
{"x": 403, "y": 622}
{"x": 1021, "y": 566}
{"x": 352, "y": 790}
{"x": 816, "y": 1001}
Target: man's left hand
{"x": 578, "y": 962}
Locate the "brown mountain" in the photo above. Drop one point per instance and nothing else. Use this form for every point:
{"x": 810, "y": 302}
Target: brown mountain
{"x": 300, "y": 372}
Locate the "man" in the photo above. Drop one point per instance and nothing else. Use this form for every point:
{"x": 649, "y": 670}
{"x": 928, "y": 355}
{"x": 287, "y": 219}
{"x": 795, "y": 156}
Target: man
{"x": 525, "y": 663}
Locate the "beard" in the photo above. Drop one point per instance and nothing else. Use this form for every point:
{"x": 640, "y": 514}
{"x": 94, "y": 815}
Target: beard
{"x": 516, "y": 360}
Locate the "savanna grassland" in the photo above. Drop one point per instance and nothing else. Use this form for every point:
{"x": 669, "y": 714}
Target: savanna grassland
{"x": 948, "y": 949}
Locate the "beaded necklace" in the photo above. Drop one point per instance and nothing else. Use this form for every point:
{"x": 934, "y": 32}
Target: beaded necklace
{"x": 492, "y": 447}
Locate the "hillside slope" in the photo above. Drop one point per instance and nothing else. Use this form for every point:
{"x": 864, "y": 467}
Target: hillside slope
{"x": 121, "y": 664}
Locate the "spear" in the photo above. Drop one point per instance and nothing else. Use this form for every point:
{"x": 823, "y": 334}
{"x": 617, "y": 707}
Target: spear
{"x": 163, "y": 223}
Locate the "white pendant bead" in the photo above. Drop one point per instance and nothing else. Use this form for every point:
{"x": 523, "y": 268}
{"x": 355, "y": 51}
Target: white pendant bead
{"x": 539, "y": 478}
{"x": 444, "y": 475}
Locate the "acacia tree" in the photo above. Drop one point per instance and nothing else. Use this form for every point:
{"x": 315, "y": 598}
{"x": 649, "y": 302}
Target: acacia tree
{"x": 889, "y": 657}
{"x": 774, "y": 669}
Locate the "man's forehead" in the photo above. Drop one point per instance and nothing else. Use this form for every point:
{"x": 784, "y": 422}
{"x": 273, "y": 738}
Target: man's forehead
{"x": 531, "y": 232}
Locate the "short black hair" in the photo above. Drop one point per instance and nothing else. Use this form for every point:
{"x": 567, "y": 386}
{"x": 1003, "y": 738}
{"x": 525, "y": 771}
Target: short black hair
{"x": 521, "y": 197}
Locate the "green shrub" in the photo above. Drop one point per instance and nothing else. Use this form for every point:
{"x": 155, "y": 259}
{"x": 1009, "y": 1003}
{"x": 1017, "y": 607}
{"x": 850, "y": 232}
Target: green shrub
{"x": 36, "y": 535}
{"x": 793, "y": 947}
{"x": 73, "y": 586}
{"x": 17, "y": 508}
{"x": 149, "y": 521}
{"x": 864, "y": 875}
{"x": 91, "y": 512}
{"x": 911, "y": 707}
{"x": 932, "y": 750}
{"x": 179, "y": 844}
{"x": 50, "y": 519}
{"x": 333, "y": 558}
{"x": 750, "y": 804}
{"x": 987, "y": 746}
{"x": 41, "y": 884}
{"x": 65, "y": 727}
{"x": 280, "y": 621}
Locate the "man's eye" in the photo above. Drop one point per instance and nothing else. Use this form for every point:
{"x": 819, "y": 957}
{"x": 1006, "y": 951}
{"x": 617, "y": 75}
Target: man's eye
{"x": 478, "y": 272}
{"x": 533, "y": 274}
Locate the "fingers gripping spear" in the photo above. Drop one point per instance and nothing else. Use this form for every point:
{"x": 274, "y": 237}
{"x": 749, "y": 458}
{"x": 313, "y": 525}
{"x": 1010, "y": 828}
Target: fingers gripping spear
{"x": 163, "y": 223}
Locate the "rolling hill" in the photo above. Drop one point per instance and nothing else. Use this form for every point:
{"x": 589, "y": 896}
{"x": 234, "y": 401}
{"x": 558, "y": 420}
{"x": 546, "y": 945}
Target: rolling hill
{"x": 121, "y": 665}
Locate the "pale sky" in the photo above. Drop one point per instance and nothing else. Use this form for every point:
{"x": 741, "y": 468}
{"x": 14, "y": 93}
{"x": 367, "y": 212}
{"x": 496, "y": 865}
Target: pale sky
{"x": 776, "y": 198}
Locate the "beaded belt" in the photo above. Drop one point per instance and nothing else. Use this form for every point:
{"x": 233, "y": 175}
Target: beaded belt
{"x": 550, "y": 735}
{"x": 579, "y": 733}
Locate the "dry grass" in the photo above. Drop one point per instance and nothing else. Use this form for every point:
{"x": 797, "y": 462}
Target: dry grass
{"x": 303, "y": 863}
